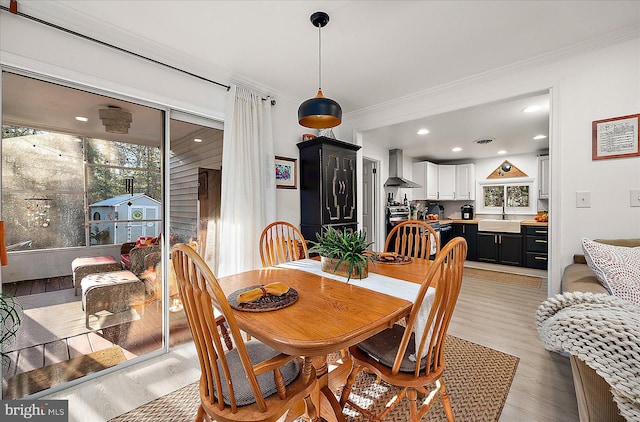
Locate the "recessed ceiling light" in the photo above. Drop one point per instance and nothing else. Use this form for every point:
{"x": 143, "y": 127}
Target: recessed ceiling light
{"x": 539, "y": 137}
{"x": 197, "y": 140}
{"x": 502, "y": 152}
{"x": 531, "y": 109}
{"x": 82, "y": 119}
{"x": 423, "y": 131}
{"x": 456, "y": 149}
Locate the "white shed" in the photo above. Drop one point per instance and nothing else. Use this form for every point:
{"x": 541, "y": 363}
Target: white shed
{"x": 134, "y": 216}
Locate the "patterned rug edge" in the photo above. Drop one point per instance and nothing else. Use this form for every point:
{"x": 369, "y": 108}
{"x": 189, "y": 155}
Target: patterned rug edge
{"x": 522, "y": 280}
{"x": 182, "y": 404}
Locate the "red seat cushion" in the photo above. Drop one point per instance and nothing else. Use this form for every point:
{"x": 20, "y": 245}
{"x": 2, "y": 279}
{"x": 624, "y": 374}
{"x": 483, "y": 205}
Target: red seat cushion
{"x": 93, "y": 260}
{"x": 126, "y": 260}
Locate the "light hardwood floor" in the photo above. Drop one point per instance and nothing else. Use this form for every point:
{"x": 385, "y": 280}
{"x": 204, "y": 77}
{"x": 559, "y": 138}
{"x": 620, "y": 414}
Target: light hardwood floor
{"x": 496, "y": 315}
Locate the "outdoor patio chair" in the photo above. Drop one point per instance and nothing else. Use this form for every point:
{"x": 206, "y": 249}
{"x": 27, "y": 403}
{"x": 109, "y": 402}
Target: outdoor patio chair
{"x": 133, "y": 257}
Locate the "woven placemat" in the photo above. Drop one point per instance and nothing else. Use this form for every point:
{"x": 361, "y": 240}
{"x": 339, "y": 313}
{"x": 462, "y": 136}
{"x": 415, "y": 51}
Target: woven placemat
{"x": 265, "y": 303}
{"x": 477, "y": 378}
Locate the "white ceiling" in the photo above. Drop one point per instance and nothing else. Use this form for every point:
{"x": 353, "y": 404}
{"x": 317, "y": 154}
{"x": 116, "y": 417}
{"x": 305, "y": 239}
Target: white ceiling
{"x": 373, "y": 51}
{"x": 510, "y": 129}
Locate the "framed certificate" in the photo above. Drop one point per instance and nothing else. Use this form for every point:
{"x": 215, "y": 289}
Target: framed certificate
{"x": 616, "y": 137}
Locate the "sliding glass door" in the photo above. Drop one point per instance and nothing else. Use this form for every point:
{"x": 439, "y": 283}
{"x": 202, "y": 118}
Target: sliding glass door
{"x": 82, "y": 204}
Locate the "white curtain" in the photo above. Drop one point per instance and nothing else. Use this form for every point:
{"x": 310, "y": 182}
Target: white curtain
{"x": 248, "y": 201}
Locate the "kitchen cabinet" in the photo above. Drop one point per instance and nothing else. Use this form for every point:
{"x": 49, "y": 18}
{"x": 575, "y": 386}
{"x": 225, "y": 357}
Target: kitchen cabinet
{"x": 536, "y": 246}
{"x": 470, "y": 233}
{"x": 500, "y": 248}
{"x": 465, "y": 182}
{"x": 543, "y": 177}
{"x": 327, "y": 185}
{"x": 446, "y": 182}
{"x": 425, "y": 174}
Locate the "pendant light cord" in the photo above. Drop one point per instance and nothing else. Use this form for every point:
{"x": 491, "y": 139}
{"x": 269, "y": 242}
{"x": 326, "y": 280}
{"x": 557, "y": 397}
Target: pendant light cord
{"x": 319, "y": 58}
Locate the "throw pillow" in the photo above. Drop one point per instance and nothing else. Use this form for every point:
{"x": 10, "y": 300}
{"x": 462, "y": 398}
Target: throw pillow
{"x": 144, "y": 241}
{"x": 617, "y": 268}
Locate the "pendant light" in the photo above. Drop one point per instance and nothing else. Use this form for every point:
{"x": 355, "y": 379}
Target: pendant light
{"x": 319, "y": 112}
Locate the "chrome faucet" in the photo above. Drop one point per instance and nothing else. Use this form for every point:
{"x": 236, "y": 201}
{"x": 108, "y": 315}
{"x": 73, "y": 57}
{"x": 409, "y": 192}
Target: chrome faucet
{"x": 503, "y": 213}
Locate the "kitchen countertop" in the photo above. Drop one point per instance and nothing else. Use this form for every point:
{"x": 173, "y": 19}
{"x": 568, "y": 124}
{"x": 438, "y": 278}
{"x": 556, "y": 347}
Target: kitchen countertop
{"x": 535, "y": 223}
{"x": 524, "y": 222}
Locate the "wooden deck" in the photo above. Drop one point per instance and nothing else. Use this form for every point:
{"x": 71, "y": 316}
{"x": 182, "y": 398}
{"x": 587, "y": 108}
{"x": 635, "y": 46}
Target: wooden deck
{"x": 135, "y": 338}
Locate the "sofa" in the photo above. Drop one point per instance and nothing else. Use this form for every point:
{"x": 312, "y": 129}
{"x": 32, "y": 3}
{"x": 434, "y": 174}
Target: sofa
{"x": 595, "y": 401}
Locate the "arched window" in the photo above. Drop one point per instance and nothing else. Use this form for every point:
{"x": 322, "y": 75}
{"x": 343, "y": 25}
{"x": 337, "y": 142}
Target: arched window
{"x": 96, "y": 215}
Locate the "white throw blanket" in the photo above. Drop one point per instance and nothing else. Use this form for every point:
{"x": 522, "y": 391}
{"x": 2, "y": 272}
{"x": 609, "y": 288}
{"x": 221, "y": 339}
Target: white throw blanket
{"x": 381, "y": 284}
{"x": 603, "y": 331}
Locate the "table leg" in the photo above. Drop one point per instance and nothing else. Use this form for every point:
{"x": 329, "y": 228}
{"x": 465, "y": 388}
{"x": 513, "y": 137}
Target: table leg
{"x": 330, "y": 409}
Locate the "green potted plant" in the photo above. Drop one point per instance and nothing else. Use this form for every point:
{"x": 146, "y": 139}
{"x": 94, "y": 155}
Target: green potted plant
{"x": 343, "y": 253}
{"x": 10, "y": 319}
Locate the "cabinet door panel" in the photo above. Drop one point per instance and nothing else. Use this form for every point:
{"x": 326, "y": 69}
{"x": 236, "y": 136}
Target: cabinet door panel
{"x": 465, "y": 182}
{"x": 471, "y": 235}
{"x": 510, "y": 247}
{"x": 432, "y": 181}
{"x": 419, "y": 175}
{"x": 543, "y": 177}
{"x": 446, "y": 182}
{"x": 349, "y": 186}
{"x": 332, "y": 186}
{"x": 487, "y": 247}
{"x": 339, "y": 182}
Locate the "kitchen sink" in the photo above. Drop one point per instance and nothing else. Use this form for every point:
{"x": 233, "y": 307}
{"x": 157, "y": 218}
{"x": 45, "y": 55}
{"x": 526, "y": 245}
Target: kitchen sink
{"x": 505, "y": 226}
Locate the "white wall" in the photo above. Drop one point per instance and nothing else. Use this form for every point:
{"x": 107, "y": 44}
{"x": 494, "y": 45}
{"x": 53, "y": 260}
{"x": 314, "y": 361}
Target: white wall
{"x": 286, "y": 134}
{"x": 591, "y": 86}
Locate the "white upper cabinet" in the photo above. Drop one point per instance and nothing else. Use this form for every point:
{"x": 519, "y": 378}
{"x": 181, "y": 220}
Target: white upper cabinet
{"x": 465, "y": 181}
{"x": 432, "y": 181}
{"x": 543, "y": 177}
{"x": 426, "y": 175}
{"x": 446, "y": 182}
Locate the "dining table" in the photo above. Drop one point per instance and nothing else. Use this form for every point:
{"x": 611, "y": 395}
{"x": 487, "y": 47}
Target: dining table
{"x": 330, "y": 313}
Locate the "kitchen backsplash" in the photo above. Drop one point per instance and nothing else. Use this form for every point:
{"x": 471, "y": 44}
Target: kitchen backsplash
{"x": 452, "y": 210}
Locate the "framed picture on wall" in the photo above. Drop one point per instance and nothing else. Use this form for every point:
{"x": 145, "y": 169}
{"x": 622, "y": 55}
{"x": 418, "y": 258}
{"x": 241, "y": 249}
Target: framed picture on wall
{"x": 616, "y": 137}
{"x": 286, "y": 173}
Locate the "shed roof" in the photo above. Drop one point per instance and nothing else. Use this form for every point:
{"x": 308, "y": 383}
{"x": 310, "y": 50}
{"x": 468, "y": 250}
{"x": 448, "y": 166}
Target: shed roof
{"x": 120, "y": 199}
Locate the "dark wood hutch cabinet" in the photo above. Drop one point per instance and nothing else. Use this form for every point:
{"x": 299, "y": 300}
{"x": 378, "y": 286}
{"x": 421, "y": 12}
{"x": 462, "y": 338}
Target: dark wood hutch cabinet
{"x": 327, "y": 186}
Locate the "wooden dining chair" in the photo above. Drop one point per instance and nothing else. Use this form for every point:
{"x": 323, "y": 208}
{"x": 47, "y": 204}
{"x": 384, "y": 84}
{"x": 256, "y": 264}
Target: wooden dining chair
{"x": 251, "y": 382}
{"x": 281, "y": 242}
{"x": 412, "y": 238}
{"x": 388, "y": 354}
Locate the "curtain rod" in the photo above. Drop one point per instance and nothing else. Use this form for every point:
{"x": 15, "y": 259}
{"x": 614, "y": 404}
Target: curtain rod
{"x": 115, "y": 47}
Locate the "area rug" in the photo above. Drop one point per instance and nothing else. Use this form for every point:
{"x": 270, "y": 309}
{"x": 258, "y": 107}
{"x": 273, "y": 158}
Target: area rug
{"x": 478, "y": 380}
{"x": 503, "y": 277}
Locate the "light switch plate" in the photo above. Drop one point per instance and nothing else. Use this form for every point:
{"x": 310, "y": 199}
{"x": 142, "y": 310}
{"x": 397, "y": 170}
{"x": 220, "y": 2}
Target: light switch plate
{"x": 635, "y": 197}
{"x": 583, "y": 199}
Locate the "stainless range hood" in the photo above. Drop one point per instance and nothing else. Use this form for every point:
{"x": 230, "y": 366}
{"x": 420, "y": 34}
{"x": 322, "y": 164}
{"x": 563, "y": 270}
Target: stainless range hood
{"x": 395, "y": 172}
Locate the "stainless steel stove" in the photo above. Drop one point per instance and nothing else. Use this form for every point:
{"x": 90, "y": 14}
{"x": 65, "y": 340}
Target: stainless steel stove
{"x": 396, "y": 214}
